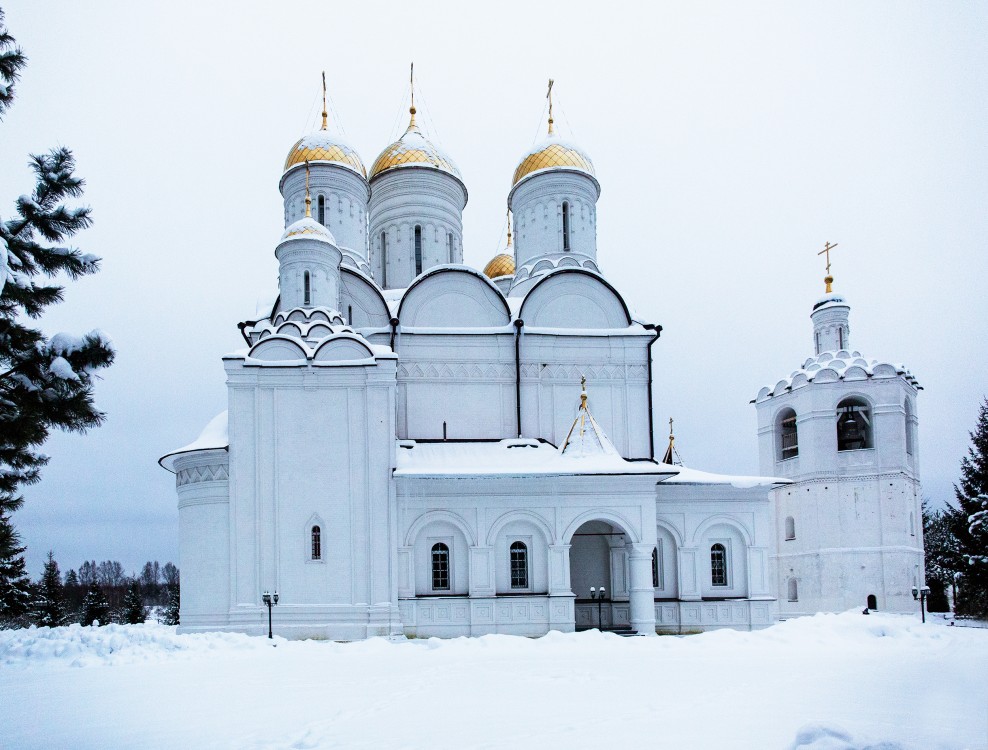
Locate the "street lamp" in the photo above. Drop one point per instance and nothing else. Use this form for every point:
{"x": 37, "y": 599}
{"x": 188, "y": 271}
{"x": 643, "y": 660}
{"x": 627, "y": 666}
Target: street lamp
{"x": 920, "y": 594}
{"x": 270, "y": 600}
{"x": 599, "y": 597}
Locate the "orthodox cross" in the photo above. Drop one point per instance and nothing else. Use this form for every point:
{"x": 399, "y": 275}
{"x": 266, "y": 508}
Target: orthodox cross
{"x": 828, "y": 280}
{"x": 670, "y": 426}
{"x": 548, "y": 95}
{"x": 325, "y": 114}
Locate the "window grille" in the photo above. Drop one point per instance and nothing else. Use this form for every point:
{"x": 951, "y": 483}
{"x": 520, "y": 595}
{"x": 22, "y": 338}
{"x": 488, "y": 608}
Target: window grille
{"x": 788, "y": 435}
{"x": 418, "y": 250}
{"x": 316, "y": 543}
{"x": 307, "y": 283}
{"x": 718, "y": 565}
{"x": 565, "y": 225}
{"x": 440, "y": 567}
{"x": 321, "y": 210}
{"x": 519, "y": 566}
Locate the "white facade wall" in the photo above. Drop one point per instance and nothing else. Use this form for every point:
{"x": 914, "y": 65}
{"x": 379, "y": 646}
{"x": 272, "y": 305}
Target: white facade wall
{"x": 321, "y": 260}
{"x": 537, "y": 207}
{"x": 403, "y": 199}
{"x": 344, "y": 194}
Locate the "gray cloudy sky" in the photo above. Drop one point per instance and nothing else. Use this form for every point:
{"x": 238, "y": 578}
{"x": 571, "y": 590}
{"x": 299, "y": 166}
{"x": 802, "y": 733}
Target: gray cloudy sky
{"x": 731, "y": 140}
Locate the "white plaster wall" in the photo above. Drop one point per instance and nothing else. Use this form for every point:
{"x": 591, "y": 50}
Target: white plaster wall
{"x": 536, "y": 205}
{"x": 322, "y": 260}
{"x": 400, "y": 200}
{"x": 345, "y": 193}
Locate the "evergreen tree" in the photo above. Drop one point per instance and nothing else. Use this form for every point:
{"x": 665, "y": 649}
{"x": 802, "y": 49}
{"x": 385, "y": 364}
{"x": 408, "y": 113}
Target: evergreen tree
{"x": 15, "y": 586}
{"x": 44, "y": 383}
{"x": 151, "y": 581}
{"x": 171, "y": 611}
{"x": 49, "y": 596}
{"x": 74, "y": 592}
{"x": 970, "y": 524}
{"x": 134, "y": 611}
{"x": 95, "y": 607}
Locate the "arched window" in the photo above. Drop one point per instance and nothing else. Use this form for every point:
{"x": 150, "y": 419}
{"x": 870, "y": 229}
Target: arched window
{"x": 316, "y": 543}
{"x": 790, "y": 528}
{"x": 655, "y": 568}
{"x": 853, "y": 425}
{"x": 840, "y": 337}
{"x": 718, "y": 565}
{"x": 788, "y": 435}
{"x": 321, "y": 209}
{"x": 565, "y": 225}
{"x": 519, "y": 565}
{"x": 449, "y": 247}
{"x": 872, "y": 601}
{"x": 440, "y": 567}
{"x": 307, "y": 287}
{"x": 384, "y": 260}
{"x": 418, "y": 249}
{"x": 909, "y": 427}
{"x": 793, "y": 590}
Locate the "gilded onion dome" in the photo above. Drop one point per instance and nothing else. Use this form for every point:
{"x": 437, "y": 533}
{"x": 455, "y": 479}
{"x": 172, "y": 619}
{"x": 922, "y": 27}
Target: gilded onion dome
{"x": 413, "y": 150}
{"x": 553, "y": 153}
{"x": 323, "y": 147}
{"x": 309, "y": 229}
{"x": 500, "y": 265}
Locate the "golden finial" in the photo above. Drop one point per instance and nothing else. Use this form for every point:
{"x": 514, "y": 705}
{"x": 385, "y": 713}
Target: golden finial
{"x": 411, "y": 109}
{"x": 509, "y": 227}
{"x": 670, "y": 454}
{"x": 548, "y": 96}
{"x": 308, "y": 198}
{"x": 325, "y": 114}
{"x": 828, "y": 279}
{"x": 583, "y": 392}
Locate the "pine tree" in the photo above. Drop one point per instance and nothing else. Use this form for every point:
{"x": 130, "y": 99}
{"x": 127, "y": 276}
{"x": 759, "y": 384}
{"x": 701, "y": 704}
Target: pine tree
{"x": 15, "y": 586}
{"x": 971, "y": 523}
{"x": 49, "y": 597}
{"x": 172, "y": 610}
{"x": 134, "y": 610}
{"x": 95, "y": 607}
{"x": 44, "y": 383}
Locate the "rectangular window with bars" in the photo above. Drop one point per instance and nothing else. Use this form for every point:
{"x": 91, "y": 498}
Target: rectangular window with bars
{"x": 440, "y": 567}
{"x": 519, "y": 566}
{"x": 718, "y": 565}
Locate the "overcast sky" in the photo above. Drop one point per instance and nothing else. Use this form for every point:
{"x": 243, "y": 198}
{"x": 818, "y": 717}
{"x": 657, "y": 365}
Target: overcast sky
{"x": 731, "y": 141}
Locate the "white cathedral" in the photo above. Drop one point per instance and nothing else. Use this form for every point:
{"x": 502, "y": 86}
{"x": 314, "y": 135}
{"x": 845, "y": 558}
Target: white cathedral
{"x": 409, "y": 448}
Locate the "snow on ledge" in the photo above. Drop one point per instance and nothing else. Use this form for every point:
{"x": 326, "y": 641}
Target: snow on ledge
{"x": 214, "y": 436}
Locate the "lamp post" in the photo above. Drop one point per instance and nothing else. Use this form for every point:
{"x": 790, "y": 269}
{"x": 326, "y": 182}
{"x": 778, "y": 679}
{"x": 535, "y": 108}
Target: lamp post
{"x": 920, "y": 594}
{"x": 599, "y": 597}
{"x": 270, "y": 600}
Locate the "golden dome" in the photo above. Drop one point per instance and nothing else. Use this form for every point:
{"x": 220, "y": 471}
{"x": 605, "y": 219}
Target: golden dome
{"x": 308, "y": 228}
{"x": 323, "y": 147}
{"x": 550, "y": 154}
{"x": 413, "y": 150}
{"x": 500, "y": 265}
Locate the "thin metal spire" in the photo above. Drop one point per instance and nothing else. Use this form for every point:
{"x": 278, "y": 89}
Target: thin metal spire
{"x": 325, "y": 114}
{"x": 308, "y": 198}
{"x": 548, "y": 95}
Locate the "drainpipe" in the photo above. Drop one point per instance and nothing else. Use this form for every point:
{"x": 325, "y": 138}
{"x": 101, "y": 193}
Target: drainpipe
{"x": 394, "y": 330}
{"x": 651, "y": 436}
{"x": 518, "y": 326}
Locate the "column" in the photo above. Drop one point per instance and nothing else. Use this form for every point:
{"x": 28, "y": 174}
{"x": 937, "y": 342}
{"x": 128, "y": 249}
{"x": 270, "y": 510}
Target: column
{"x": 642, "y": 593}
{"x": 562, "y": 615}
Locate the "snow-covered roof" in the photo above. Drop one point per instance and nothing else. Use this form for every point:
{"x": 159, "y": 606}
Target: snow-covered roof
{"x": 214, "y": 436}
{"x": 829, "y": 367}
{"x": 308, "y": 228}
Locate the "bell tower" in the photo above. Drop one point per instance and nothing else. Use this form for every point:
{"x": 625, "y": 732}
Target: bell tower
{"x": 843, "y": 429}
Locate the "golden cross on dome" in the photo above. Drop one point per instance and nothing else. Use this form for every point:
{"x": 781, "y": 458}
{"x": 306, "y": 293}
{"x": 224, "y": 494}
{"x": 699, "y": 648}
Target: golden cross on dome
{"x": 548, "y": 96}
{"x": 411, "y": 85}
{"x": 670, "y": 427}
{"x": 509, "y": 227}
{"x": 325, "y": 114}
{"x": 308, "y": 198}
{"x": 828, "y": 279}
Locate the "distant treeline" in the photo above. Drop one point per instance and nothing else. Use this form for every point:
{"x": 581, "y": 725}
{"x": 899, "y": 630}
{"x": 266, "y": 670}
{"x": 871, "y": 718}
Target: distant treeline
{"x": 102, "y": 593}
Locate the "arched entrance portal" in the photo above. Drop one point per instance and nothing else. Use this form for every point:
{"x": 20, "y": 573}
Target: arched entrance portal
{"x": 599, "y": 557}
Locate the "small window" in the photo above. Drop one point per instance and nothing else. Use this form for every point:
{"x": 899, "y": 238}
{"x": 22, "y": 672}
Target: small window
{"x": 440, "y": 567}
{"x": 565, "y": 226}
{"x": 316, "y": 543}
{"x": 872, "y": 601}
{"x": 449, "y": 247}
{"x": 307, "y": 285}
{"x": 912, "y": 523}
{"x": 321, "y": 209}
{"x": 384, "y": 260}
{"x": 853, "y": 425}
{"x": 790, "y": 528}
{"x": 519, "y": 565}
{"x": 817, "y": 335}
{"x": 418, "y": 250}
{"x": 793, "y": 590}
{"x": 840, "y": 337}
{"x": 718, "y": 565}
{"x": 788, "y": 435}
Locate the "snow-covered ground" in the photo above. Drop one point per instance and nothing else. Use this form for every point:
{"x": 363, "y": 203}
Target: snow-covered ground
{"x": 824, "y": 682}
